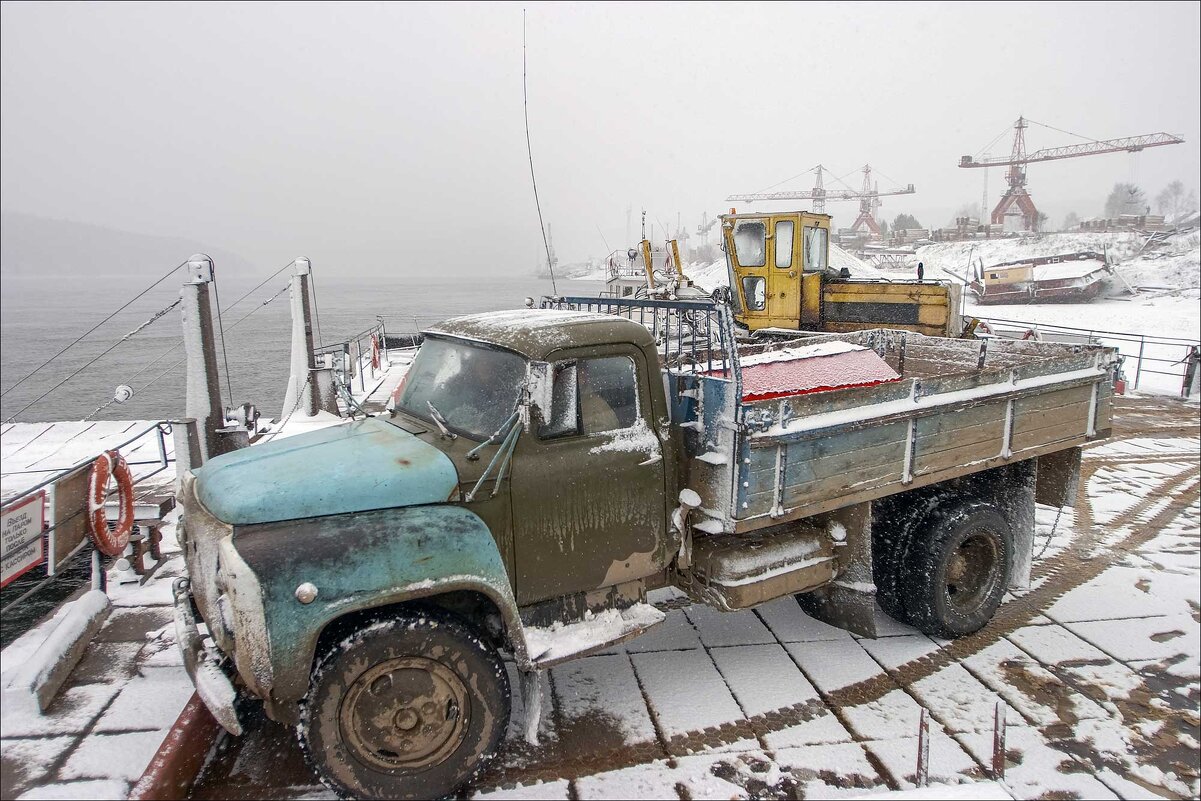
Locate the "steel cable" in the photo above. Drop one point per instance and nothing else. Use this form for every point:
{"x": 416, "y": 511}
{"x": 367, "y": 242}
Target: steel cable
{"x": 529, "y": 149}
{"x": 106, "y": 351}
{"x": 93, "y": 328}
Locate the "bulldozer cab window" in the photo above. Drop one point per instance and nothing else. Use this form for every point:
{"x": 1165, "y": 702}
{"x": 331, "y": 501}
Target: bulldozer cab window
{"x": 816, "y": 248}
{"x": 783, "y": 237}
{"x": 750, "y": 243}
{"x": 754, "y": 291}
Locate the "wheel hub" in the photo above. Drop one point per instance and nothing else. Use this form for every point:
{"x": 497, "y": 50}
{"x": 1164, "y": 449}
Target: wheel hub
{"x": 970, "y": 571}
{"x": 405, "y": 713}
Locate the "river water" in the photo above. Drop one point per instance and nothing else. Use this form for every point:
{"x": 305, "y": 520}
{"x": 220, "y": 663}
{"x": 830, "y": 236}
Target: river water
{"x": 42, "y": 314}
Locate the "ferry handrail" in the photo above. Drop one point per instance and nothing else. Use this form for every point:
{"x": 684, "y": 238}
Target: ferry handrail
{"x": 62, "y": 472}
{"x": 1181, "y": 345}
{"x": 1112, "y": 334}
{"x": 53, "y": 565}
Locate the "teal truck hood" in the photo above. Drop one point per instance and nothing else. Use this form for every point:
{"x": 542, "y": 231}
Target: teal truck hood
{"x": 354, "y": 467}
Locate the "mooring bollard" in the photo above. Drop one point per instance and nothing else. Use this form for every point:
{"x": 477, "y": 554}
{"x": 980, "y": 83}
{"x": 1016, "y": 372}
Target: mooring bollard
{"x": 923, "y": 750}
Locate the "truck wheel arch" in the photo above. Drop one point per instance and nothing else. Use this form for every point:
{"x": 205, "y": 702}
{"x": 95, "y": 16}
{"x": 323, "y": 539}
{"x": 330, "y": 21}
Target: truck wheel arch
{"x": 363, "y": 562}
{"x": 472, "y": 605}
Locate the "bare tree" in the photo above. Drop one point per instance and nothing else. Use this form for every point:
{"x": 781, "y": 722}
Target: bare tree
{"x": 1125, "y": 199}
{"x": 1071, "y": 221}
{"x": 1173, "y": 202}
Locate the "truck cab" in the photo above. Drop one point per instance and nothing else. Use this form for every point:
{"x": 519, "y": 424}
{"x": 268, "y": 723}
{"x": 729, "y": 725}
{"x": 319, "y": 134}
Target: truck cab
{"x": 781, "y": 278}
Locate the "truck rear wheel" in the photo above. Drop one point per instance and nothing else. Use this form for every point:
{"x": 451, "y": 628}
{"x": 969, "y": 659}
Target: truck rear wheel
{"x": 954, "y": 573}
{"x": 408, "y": 707}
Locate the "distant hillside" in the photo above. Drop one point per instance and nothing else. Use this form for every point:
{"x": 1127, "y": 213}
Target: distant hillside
{"x": 32, "y": 245}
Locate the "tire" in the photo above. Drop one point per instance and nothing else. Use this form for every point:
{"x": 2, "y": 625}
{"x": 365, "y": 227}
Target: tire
{"x": 893, "y": 526}
{"x": 406, "y": 707}
{"x": 956, "y": 569}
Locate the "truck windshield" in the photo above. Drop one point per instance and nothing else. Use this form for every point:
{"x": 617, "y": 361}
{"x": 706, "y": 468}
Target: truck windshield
{"x": 475, "y": 388}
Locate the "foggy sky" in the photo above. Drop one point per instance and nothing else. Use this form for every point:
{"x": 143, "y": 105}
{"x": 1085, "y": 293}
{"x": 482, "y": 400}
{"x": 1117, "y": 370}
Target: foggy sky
{"x": 390, "y": 137}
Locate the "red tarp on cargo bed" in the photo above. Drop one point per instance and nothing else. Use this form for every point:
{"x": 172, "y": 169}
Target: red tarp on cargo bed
{"x": 813, "y": 368}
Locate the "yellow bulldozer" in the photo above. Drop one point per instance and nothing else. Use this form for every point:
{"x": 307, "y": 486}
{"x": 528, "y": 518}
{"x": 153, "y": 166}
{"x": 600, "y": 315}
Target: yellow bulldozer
{"x": 781, "y": 278}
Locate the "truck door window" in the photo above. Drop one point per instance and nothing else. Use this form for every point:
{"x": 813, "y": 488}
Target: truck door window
{"x": 750, "y": 243}
{"x": 784, "y": 231}
{"x": 564, "y": 417}
{"x": 591, "y": 396}
{"x": 754, "y": 291}
{"x": 815, "y": 248}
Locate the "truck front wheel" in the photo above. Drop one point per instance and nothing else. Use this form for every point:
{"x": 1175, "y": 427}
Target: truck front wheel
{"x": 405, "y": 707}
{"x": 955, "y": 572}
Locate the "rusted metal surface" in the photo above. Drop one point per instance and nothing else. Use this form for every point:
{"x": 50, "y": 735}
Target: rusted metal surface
{"x": 172, "y": 772}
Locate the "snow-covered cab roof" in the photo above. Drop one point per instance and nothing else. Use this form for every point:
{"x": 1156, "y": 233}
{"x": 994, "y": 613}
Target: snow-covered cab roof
{"x": 537, "y": 333}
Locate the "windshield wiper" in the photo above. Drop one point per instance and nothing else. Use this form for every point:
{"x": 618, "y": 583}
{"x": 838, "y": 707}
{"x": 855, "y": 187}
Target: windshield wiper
{"x": 440, "y": 421}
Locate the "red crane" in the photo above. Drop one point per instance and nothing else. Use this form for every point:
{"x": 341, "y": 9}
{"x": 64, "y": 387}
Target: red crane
{"x": 1017, "y": 195}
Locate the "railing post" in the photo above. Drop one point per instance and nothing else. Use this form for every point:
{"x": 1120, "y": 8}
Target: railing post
{"x": 1142, "y": 342}
{"x": 187, "y": 446}
{"x": 922, "y": 775}
{"x": 203, "y": 401}
{"x": 302, "y": 394}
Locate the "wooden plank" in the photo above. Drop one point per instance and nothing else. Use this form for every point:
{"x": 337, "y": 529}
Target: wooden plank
{"x": 811, "y": 450}
{"x": 889, "y": 456}
{"x": 1046, "y": 436}
{"x": 838, "y": 485}
{"x": 990, "y": 433}
{"x": 1053, "y": 399}
{"x": 1025, "y": 422}
{"x": 957, "y": 455}
{"x": 817, "y": 504}
{"x": 965, "y": 418}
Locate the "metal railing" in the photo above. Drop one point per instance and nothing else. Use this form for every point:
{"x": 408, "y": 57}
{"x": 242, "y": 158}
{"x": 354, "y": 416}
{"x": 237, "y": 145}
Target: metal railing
{"x": 351, "y": 359}
{"x": 63, "y": 534}
{"x": 696, "y": 332}
{"x": 1154, "y": 355}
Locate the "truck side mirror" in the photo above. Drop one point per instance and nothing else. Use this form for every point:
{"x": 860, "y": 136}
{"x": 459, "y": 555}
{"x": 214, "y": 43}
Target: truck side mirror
{"x": 538, "y": 394}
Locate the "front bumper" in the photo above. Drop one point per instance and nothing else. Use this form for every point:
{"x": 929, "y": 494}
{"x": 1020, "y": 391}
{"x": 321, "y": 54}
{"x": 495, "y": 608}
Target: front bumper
{"x": 203, "y": 665}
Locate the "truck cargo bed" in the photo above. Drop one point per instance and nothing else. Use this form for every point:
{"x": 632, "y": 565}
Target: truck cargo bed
{"x": 960, "y": 406}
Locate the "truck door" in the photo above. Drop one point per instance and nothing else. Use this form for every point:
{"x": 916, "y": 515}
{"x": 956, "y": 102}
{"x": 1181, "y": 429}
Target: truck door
{"x": 588, "y": 482}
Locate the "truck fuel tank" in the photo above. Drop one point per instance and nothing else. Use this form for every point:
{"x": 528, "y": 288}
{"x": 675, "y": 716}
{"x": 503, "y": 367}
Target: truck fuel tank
{"x": 738, "y": 571}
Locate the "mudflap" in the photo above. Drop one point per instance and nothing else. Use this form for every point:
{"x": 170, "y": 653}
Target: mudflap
{"x": 851, "y": 609}
{"x": 1015, "y": 499}
{"x": 531, "y": 700}
{"x": 848, "y": 602}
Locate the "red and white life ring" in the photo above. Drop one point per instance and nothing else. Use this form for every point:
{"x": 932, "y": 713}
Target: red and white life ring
{"x": 374, "y": 352}
{"x": 1031, "y": 334}
{"x": 110, "y": 464}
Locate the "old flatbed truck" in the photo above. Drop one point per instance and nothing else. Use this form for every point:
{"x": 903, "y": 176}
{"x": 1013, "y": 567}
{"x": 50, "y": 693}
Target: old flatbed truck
{"x": 543, "y": 469}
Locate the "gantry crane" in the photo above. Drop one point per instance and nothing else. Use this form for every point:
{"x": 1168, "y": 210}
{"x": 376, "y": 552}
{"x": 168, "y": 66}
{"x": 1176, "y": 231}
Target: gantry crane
{"x": 1017, "y": 195}
{"x": 868, "y": 197}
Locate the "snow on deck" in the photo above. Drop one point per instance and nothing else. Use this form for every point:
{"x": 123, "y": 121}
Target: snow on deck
{"x": 1097, "y": 665}
{"x": 31, "y": 453}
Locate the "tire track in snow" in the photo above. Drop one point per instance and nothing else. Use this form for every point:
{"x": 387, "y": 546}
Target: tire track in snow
{"x": 1058, "y": 580}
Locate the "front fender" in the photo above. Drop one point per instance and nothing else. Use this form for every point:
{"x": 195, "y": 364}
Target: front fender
{"x": 364, "y": 560}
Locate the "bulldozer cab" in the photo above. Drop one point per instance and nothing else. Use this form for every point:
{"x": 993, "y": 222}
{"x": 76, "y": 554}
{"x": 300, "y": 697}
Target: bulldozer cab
{"x": 780, "y": 277}
{"x": 772, "y": 259}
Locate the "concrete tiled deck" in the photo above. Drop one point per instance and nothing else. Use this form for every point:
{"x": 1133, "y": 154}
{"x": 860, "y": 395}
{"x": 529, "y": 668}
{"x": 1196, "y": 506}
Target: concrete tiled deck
{"x": 1097, "y": 667}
